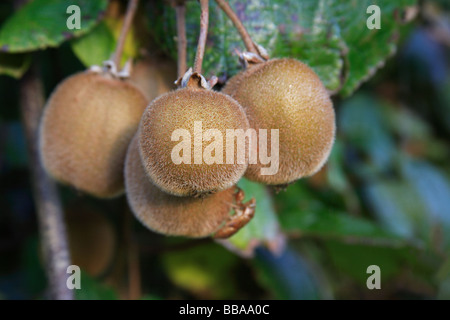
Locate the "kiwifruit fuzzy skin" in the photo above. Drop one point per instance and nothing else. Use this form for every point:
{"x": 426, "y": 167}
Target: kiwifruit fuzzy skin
{"x": 168, "y": 214}
{"x": 179, "y": 110}
{"x": 286, "y": 94}
{"x": 86, "y": 127}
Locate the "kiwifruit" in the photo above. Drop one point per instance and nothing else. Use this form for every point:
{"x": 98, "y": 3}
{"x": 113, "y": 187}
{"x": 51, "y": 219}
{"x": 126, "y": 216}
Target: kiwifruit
{"x": 180, "y": 109}
{"x": 168, "y": 214}
{"x": 154, "y": 76}
{"x": 92, "y": 239}
{"x": 87, "y": 124}
{"x": 286, "y": 94}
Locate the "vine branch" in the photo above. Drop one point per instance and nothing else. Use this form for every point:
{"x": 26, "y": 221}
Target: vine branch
{"x": 48, "y": 206}
{"x": 129, "y": 15}
{"x": 248, "y": 42}
{"x": 180, "y": 10}
{"x": 204, "y": 17}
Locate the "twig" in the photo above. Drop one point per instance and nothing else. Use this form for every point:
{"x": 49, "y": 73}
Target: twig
{"x": 204, "y": 17}
{"x": 248, "y": 42}
{"x": 180, "y": 11}
{"x": 48, "y": 205}
{"x": 131, "y": 10}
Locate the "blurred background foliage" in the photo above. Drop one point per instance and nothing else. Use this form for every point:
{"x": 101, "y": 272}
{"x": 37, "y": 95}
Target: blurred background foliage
{"x": 382, "y": 199}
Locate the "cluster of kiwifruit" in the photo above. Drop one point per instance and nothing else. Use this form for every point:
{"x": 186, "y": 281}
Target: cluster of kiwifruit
{"x": 90, "y": 119}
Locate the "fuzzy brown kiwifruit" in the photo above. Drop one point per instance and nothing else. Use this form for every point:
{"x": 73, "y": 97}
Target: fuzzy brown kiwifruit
{"x": 154, "y": 76}
{"x": 91, "y": 238}
{"x": 180, "y": 109}
{"x": 85, "y": 130}
{"x": 286, "y": 94}
{"x": 168, "y": 214}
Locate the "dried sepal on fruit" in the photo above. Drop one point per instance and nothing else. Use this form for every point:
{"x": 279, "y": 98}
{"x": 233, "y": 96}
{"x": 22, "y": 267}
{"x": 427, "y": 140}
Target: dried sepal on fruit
{"x": 287, "y": 95}
{"x": 181, "y": 216}
{"x": 195, "y": 110}
{"x": 244, "y": 212}
{"x": 86, "y": 127}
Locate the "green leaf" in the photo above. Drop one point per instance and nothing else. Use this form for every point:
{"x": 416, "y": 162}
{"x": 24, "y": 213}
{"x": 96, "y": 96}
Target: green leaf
{"x": 415, "y": 207}
{"x": 302, "y": 214}
{"x": 362, "y": 123}
{"x": 353, "y": 260}
{"x": 42, "y": 23}
{"x": 263, "y": 228}
{"x": 338, "y": 180}
{"x": 432, "y": 189}
{"x": 205, "y": 270}
{"x": 339, "y": 226}
{"x": 443, "y": 277}
{"x": 14, "y": 65}
{"x": 132, "y": 42}
{"x": 330, "y": 36}
{"x": 99, "y": 45}
{"x": 95, "y": 47}
{"x": 92, "y": 289}
{"x": 367, "y": 49}
{"x": 268, "y": 27}
{"x": 444, "y": 289}
{"x": 286, "y": 275}
{"x": 398, "y": 208}
{"x": 335, "y": 172}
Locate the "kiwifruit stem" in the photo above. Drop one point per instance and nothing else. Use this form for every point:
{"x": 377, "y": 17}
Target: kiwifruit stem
{"x": 129, "y": 15}
{"x": 180, "y": 11}
{"x": 204, "y": 17}
{"x": 248, "y": 42}
{"x": 50, "y": 216}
